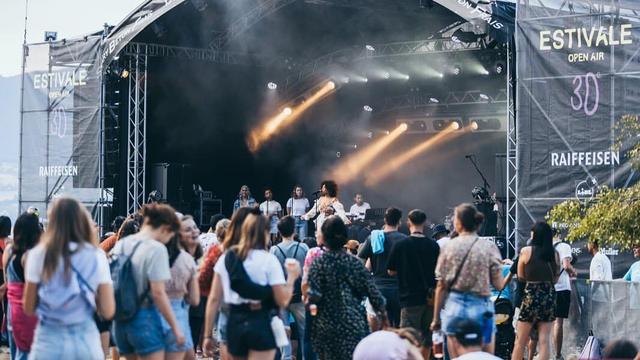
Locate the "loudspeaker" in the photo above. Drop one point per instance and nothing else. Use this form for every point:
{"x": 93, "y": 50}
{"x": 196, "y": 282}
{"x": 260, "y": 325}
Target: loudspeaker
{"x": 175, "y": 183}
{"x": 500, "y": 184}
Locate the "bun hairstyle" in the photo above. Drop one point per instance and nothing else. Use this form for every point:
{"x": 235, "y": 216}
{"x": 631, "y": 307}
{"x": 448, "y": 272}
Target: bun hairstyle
{"x": 157, "y": 215}
{"x": 469, "y": 217}
{"x": 334, "y": 233}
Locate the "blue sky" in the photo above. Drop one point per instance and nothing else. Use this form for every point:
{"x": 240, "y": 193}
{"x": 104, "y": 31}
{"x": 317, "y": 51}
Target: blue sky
{"x": 70, "y": 18}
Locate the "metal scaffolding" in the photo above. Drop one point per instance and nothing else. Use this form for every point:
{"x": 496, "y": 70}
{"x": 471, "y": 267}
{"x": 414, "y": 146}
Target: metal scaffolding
{"x": 137, "y": 128}
{"x": 414, "y": 100}
{"x": 512, "y": 158}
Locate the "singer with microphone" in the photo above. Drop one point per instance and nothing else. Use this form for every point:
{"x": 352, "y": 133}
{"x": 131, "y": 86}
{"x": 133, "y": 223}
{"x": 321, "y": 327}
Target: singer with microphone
{"x": 327, "y": 205}
{"x": 244, "y": 199}
{"x": 298, "y": 205}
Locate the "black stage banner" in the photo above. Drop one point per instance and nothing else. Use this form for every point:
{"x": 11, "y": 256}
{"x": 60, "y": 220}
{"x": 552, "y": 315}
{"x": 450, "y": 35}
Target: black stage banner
{"x": 145, "y": 14}
{"x": 577, "y": 76}
{"x": 60, "y": 137}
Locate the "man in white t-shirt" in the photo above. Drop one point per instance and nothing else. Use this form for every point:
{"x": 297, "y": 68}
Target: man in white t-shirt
{"x": 359, "y": 209}
{"x": 271, "y": 209}
{"x": 464, "y": 341}
{"x": 600, "y": 268}
{"x": 563, "y": 293}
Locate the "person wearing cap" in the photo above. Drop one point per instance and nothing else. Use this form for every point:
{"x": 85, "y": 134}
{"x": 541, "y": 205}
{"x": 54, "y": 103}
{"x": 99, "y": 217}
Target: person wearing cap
{"x": 464, "y": 340}
{"x": 440, "y": 234}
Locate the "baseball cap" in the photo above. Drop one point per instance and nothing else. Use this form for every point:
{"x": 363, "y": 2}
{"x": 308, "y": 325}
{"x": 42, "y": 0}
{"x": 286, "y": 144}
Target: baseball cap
{"x": 465, "y": 330}
{"x": 438, "y": 229}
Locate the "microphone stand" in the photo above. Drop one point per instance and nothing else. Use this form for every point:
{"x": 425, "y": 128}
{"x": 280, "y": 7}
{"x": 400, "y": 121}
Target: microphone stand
{"x": 475, "y": 165}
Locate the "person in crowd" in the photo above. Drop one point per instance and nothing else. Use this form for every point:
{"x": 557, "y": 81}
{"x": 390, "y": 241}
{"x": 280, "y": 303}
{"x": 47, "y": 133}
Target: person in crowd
{"x": 538, "y": 265}
{"x": 110, "y": 237}
{"x": 205, "y": 279}
{"x": 376, "y": 250}
{"x": 216, "y": 305}
{"x": 297, "y": 206}
{"x": 290, "y": 249}
{"x": 600, "y": 268}
{"x": 352, "y": 247}
{"x": 391, "y": 344}
{"x": 634, "y": 271}
{"x": 272, "y": 210}
{"x": 599, "y": 273}
{"x": 327, "y": 205}
{"x": 189, "y": 237}
{"x": 338, "y": 284}
{"x": 144, "y": 335}
{"x": 5, "y": 232}
{"x": 464, "y": 272}
{"x": 359, "y": 209}
{"x": 438, "y": 232}
{"x": 313, "y": 253}
{"x": 183, "y": 291}
{"x": 563, "y": 294}
{"x": 210, "y": 237}
{"x": 244, "y": 199}
{"x": 67, "y": 280}
{"x": 465, "y": 340}
{"x": 131, "y": 225}
{"x": 249, "y": 332}
{"x": 620, "y": 350}
{"x": 413, "y": 260}
{"x": 21, "y": 327}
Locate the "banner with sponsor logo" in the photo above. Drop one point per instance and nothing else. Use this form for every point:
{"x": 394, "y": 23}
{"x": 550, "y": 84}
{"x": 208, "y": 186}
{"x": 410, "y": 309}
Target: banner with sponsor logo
{"x": 578, "y": 74}
{"x": 60, "y": 147}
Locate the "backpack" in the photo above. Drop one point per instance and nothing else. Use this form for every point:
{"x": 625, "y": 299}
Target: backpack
{"x": 591, "y": 350}
{"x": 125, "y": 289}
{"x": 297, "y": 288}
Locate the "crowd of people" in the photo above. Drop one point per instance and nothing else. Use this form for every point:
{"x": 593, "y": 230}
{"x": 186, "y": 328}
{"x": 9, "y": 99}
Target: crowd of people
{"x": 255, "y": 286}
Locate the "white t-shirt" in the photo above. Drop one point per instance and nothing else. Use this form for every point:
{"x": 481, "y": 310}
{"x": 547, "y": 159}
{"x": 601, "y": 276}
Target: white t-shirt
{"x": 442, "y": 242}
{"x": 262, "y": 267}
{"x": 564, "y": 251}
{"x": 600, "y": 268}
{"x": 359, "y": 211}
{"x": 298, "y": 206}
{"x": 270, "y": 206}
{"x": 477, "y": 355}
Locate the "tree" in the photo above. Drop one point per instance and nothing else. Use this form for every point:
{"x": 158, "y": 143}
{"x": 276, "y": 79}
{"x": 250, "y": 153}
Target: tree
{"x": 612, "y": 217}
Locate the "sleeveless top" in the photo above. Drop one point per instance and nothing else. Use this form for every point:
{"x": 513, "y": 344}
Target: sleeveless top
{"x": 539, "y": 270}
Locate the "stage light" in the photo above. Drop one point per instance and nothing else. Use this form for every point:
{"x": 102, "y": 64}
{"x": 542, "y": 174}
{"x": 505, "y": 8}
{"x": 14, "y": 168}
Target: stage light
{"x": 499, "y": 67}
{"x": 370, "y": 135}
{"x": 434, "y": 100}
{"x": 345, "y": 79}
{"x": 367, "y": 108}
{"x": 406, "y": 77}
{"x": 441, "y": 75}
{"x": 50, "y": 36}
{"x": 484, "y": 97}
{"x": 338, "y": 154}
{"x": 272, "y": 86}
{"x": 365, "y": 80}
{"x": 268, "y": 129}
{"x": 455, "y": 125}
{"x": 386, "y": 75}
{"x": 353, "y": 166}
{"x": 391, "y": 167}
{"x": 457, "y": 70}
{"x": 355, "y": 146}
{"x": 124, "y": 73}
{"x": 387, "y": 132}
{"x": 473, "y": 125}
{"x": 370, "y": 47}
{"x": 484, "y": 71}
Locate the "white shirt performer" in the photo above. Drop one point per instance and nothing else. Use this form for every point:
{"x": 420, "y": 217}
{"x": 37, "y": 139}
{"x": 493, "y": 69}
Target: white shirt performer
{"x": 359, "y": 209}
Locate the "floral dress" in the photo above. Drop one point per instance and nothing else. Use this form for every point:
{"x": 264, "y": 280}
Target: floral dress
{"x": 343, "y": 283}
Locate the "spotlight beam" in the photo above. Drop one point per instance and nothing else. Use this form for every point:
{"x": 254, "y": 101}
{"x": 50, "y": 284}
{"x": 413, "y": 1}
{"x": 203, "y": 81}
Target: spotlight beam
{"x": 258, "y": 136}
{"x": 375, "y": 176}
{"x": 352, "y": 166}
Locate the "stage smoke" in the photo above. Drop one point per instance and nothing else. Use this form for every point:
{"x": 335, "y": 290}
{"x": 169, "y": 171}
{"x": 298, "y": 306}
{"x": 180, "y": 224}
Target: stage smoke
{"x": 352, "y": 167}
{"x": 393, "y": 165}
{"x": 286, "y": 117}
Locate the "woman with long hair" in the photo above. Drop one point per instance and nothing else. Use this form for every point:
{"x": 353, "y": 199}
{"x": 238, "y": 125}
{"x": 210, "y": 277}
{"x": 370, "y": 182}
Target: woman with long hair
{"x": 67, "y": 279}
{"x": 466, "y": 267}
{"x": 183, "y": 292}
{"x": 338, "y": 284}
{"x": 214, "y": 304}
{"x": 538, "y": 266}
{"x": 249, "y": 332}
{"x": 26, "y": 234}
{"x": 145, "y": 336}
{"x": 189, "y": 237}
{"x": 297, "y": 206}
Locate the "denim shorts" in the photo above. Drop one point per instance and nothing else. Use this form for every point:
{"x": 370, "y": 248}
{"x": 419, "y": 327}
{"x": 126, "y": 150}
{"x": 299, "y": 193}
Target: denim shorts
{"x": 79, "y": 341}
{"x": 221, "y": 327}
{"x": 141, "y": 335}
{"x": 181, "y": 312}
{"x": 472, "y": 307}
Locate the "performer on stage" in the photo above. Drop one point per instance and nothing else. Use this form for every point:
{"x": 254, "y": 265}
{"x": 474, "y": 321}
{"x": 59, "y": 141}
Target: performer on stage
{"x": 244, "y": 199}
{"x": 327, "y": 205}
{"x": 359, "y": 209}
{"x": 272, "y": 210}
{"x": 298, "y": 205}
